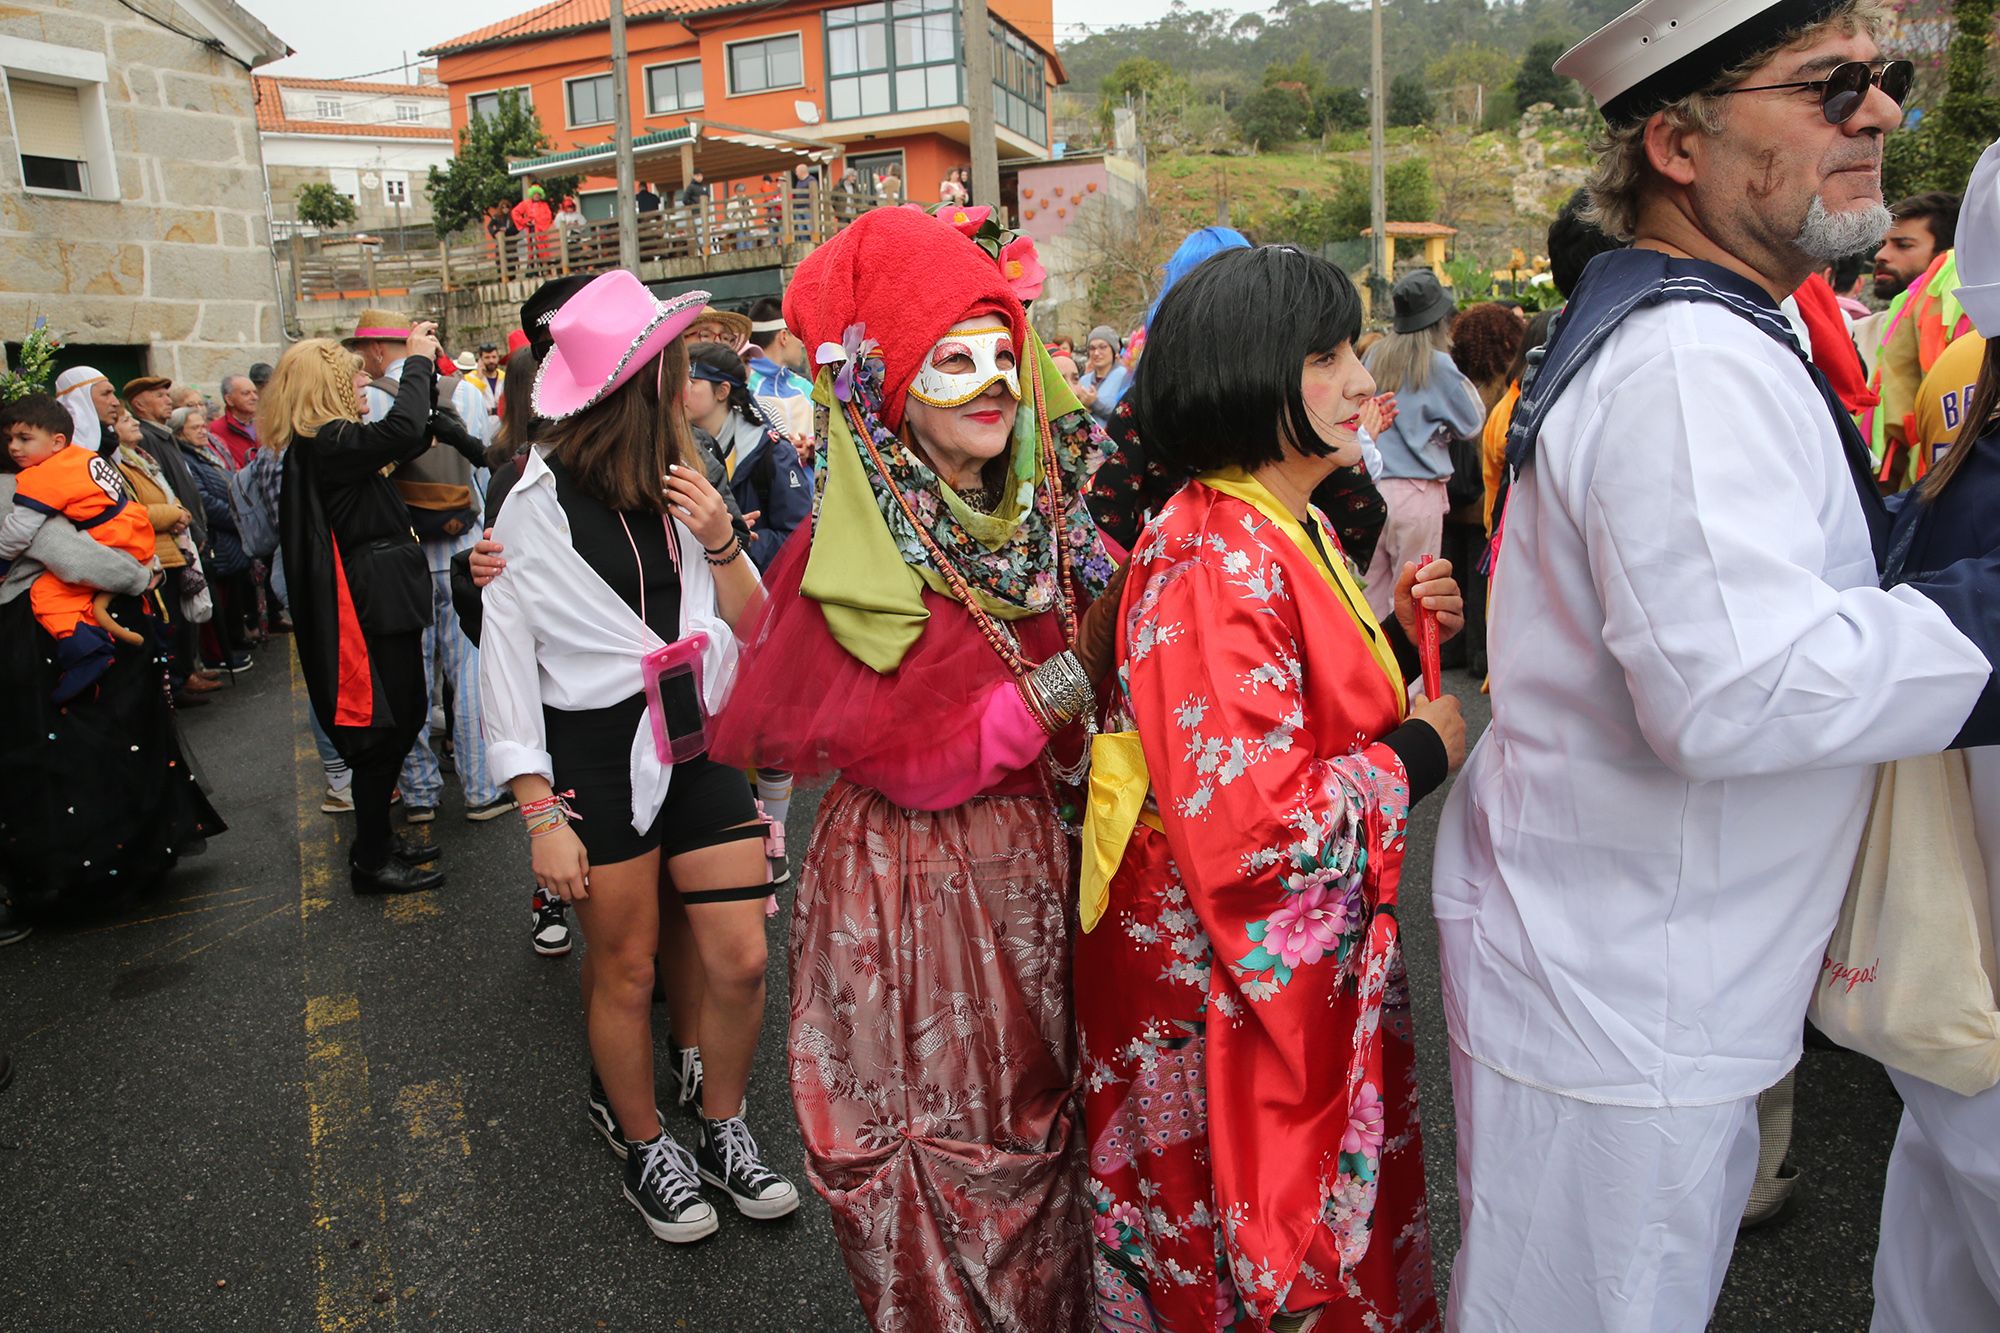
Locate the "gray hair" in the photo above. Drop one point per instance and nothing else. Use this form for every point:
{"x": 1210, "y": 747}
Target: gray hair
{"x": 177, "y": 419}
{"x": 1620, "y": 177}
{"x": 228, "y": 380}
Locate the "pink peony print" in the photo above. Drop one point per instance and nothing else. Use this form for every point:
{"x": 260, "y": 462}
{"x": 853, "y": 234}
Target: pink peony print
{"x": 1021, "y": 265}
{"x": 1305, "y": 927}
{"x": 1107, "y": 1232}
{"x": 967, "y": 220}
{"x": 1364, "y": 1123}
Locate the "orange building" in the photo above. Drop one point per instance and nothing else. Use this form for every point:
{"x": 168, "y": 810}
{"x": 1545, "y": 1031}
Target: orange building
{"x": 884, "y": 81}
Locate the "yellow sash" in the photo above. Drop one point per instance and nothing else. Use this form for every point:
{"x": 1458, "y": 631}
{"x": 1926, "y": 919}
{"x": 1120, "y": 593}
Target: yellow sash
{"x": 1119, "y": 781}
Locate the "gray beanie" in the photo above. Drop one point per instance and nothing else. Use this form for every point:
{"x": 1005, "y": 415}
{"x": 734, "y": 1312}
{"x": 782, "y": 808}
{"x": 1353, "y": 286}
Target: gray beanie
{"x": 1104, "y": 332}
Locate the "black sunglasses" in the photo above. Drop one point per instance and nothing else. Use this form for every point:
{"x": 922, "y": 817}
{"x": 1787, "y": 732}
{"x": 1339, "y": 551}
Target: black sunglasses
{"x": 1842, "y": 91}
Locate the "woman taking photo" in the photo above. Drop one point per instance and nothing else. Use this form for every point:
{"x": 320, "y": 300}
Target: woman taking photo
{"x": 1249, "y": 1071}
{"x": 621, "y": 560}
{"x": 935, "y": 602}
{"x": 356, "y": 581}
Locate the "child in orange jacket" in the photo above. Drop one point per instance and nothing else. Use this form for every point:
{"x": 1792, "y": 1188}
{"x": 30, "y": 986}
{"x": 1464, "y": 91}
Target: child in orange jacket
{"x": 58, "y": 478}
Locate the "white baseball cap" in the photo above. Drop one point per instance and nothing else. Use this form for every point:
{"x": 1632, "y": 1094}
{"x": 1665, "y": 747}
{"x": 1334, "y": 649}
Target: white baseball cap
{"x": 1979, "y": 244}
{"x": 1659, "y": 51}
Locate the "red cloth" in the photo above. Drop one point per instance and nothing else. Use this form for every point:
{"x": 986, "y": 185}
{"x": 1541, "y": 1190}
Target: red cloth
{"x": 516, "y": 340}
{"x": 238, "y": 439}
{"x": 1248, "y": 1059}
{"x": 532, "y": 215}
{"x": 908, "y": 277}
{"x": 1833, "y": 348}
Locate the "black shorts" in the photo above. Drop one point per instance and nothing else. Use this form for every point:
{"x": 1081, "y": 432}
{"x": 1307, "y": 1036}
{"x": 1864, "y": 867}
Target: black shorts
{"x": 591, "y": 752}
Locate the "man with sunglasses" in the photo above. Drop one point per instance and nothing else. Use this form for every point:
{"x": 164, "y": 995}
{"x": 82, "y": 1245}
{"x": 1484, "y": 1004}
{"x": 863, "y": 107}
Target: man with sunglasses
{"x": 1693, "y": 672}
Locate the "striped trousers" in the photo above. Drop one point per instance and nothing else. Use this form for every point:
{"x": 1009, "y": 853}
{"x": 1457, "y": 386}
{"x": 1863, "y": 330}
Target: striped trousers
{"x": 447, "y": 650}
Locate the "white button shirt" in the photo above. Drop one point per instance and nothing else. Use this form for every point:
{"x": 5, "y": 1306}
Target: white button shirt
{"x": 555, "y": 633}
{"x": 1693, "y": 670}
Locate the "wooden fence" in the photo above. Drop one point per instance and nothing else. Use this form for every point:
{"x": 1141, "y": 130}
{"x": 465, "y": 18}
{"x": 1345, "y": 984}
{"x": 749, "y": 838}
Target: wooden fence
{"x": 718, "y": 233}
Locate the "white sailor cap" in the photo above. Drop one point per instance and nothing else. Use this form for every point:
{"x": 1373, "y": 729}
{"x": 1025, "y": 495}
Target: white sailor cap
{"x": 1979, "y": 244}
{"x": 1659, "y": 51}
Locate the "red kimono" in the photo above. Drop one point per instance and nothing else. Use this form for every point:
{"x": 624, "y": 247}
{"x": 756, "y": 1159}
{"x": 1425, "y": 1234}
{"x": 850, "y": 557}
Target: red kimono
{"x": 1251, "y": 1097}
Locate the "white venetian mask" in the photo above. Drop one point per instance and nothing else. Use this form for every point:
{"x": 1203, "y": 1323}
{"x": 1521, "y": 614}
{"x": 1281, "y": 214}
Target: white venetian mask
{"x": 984, "y": 348}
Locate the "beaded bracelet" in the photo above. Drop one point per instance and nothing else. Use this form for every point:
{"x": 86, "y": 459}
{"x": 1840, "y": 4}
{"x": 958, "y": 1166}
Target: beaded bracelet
{"x": 729, "y": 559}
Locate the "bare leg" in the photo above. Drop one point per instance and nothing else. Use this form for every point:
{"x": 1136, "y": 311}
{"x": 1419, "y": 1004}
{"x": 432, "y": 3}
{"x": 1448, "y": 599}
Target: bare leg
{"x": 680, "y": 969}
{"x": 729, "y": 939}
{"x": 620, "y": 923}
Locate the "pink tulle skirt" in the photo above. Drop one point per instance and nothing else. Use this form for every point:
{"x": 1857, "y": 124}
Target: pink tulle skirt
{"x": 804, "y": 704}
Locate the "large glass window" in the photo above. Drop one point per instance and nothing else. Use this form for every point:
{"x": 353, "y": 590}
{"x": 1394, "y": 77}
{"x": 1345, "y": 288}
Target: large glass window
{"x": 671, "y": 89}
{"x": 480, "y": 105}
{"x": 902, "y": 55}
{"x": 1020, "y": 85}
{"x": 589, "y": 100}
{"x": 766, "y": 64}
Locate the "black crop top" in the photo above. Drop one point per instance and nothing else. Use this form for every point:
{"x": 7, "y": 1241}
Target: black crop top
{"x": 601, "y": 538}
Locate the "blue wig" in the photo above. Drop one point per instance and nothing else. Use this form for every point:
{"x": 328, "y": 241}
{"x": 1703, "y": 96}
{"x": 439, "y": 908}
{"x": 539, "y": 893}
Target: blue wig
{"x": 1199, "y": 245}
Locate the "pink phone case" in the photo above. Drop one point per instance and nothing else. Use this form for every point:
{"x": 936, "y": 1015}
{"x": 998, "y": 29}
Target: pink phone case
{"x": 680, "y": 728}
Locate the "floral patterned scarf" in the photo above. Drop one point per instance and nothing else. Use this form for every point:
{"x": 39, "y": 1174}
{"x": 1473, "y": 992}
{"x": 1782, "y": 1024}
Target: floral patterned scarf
{"x": 868, "y": 566}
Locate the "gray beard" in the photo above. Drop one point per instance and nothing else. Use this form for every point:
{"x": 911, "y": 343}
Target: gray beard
{"x": 1828, "y": 236}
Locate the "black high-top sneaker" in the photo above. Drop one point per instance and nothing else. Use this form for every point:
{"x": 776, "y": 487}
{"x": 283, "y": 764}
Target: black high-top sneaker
{"x": 684, "y": 1068}
{"x": 660, "y": 1182}
{"x": 727, "y": 1158}
{"x": 597, "y": 1109}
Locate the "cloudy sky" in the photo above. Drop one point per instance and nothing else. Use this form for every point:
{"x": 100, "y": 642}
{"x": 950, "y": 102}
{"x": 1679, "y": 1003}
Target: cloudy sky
{"x": 362, "y": 37}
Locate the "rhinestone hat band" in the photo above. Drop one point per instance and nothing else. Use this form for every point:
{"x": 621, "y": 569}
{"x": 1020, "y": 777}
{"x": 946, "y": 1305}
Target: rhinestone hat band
{"x": 663, "y": 311}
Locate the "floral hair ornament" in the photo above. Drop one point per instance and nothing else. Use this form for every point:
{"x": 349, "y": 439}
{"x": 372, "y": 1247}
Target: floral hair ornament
{"x": 854, "y": 350}
{"x": 1013, "y": 251}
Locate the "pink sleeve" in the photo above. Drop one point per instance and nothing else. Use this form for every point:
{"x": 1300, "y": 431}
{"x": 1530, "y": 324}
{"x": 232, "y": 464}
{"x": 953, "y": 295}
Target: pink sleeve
{"x": 1003, "y": 739}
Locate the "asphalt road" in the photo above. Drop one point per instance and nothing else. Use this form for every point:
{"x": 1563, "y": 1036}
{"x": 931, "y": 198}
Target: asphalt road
{"x": 258, "y": 1102}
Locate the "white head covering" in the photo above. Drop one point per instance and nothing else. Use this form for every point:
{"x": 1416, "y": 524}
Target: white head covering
{"x": 1979, "y": 244}
{"x": 73, "y": 388}
{"x": 1659, "y": 51}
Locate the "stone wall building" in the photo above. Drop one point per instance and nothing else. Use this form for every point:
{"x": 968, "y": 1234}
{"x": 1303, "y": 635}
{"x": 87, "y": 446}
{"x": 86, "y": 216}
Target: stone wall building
{"x": 373, "y": 142}
{"x": 132, "y": 210}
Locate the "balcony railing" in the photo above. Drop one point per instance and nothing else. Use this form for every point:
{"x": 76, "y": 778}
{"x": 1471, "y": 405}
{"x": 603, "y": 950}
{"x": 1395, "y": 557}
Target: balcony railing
{"x": 748, "y": 230}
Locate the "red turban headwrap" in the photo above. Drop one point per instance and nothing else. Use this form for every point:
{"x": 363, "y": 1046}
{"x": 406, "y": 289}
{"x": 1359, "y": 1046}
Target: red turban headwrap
{"x": 908, "y": 277}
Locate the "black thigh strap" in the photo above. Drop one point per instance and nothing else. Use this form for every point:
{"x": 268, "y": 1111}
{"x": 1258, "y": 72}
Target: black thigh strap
{"x": 748, "y": 891}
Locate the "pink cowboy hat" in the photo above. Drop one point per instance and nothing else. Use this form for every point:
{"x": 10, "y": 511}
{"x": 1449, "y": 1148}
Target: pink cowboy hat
{"x": 603, "y": 335}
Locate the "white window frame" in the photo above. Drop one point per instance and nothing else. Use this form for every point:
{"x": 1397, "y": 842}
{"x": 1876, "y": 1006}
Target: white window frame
{"x": 88, "y": 73}
{"x": 394, "y": 183}
{"x": 409, "y": 113}
{"x": 527, "y": 97}
{"x": 646, "y": 86}
{"x": 329, "y": 108}
{"x": 610, "y": 117}
{"x": 729, "y": 65}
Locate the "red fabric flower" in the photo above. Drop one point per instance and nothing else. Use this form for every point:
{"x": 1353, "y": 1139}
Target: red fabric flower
{"x": 1021, "y": 266}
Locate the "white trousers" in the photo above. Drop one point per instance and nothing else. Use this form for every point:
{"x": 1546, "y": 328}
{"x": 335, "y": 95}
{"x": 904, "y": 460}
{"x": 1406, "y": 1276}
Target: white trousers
{"x": 1582, "y": 1218}
{"x": 1937, "y": 1267}
{"x": 1414, "y": 527}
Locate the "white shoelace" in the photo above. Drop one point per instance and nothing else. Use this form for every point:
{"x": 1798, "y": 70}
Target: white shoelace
{"x": 671, "y": 1168}
{"x": 738, "y": 1150}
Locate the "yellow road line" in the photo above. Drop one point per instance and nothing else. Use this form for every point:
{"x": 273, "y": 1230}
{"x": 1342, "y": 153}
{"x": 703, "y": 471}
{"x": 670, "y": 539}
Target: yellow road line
{"x": 355, "y": 1283}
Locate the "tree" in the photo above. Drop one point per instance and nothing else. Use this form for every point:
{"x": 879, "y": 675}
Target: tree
{"x": 1409, "y": 101}
{"x": 475, "y": 182}
{"x": 1968, "y": 115}
{"x": 1537, "y": 80}
{"x": 1272, "y": 116}
{"x": 1341, "y": 109}
{"x": 1469, "y": 79}
{"x": 320, "y": 205}
{"x": 1137, "y": 76}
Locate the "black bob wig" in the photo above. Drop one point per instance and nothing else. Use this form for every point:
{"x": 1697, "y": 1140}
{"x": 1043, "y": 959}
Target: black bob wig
{"x": 1219, "y": 383}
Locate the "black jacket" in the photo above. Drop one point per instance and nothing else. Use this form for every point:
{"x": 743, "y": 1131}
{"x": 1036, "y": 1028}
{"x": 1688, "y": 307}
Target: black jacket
{"x": 353, "y": 566}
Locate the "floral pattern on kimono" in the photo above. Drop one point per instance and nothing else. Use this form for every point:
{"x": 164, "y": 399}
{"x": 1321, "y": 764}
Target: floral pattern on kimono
{"x": 1250, "y": 1089}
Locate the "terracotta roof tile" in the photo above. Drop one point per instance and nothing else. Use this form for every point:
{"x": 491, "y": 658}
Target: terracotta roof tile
{"x": 271, "y": 118}
{"x": 571, "y": 16}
